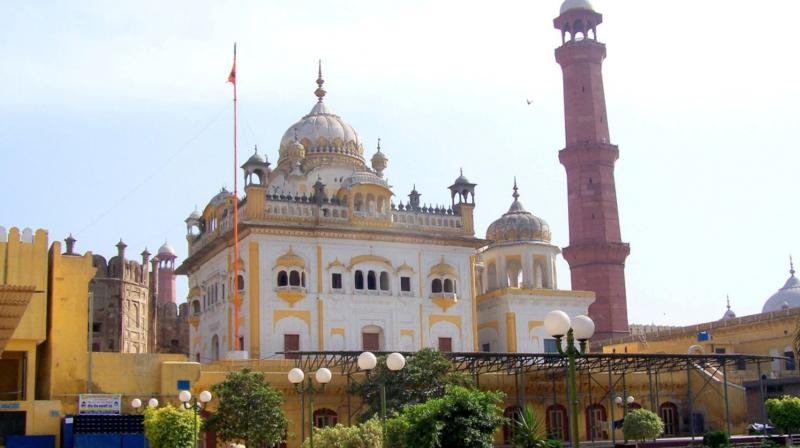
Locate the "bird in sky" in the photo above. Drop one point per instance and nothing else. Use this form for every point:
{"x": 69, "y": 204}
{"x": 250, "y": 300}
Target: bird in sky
{"x": 529, "y": 102}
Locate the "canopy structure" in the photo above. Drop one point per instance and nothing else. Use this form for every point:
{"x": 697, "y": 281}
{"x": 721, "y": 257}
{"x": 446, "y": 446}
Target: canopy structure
{"x": 14, "y": 301}
{"x": 515, "y": 363}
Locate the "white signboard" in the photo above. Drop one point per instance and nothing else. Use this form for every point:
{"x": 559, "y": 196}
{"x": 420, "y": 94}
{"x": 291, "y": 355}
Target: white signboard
{"x": 99, "y": 404}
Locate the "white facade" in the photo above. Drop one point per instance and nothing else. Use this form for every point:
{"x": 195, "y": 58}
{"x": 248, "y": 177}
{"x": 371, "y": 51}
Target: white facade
{"x": 329, "y": 261}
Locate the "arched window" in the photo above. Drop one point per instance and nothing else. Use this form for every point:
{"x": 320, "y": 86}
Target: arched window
{"x": 668, "y": 412}
{"x": 596, "y": 422}
{"x": 491, "y": 276}
{"x": 294, "y": 278}
{"x": 448, "y": 285}
{"x": 384, "y": 281}
{"x": 240, "y": 282}
{"x": 557, "y": 422}
{"x": 436, "y": 286}
{"x": 283, "y": 279}
{"x": 359, "y": 280}
{"x": 372, "y": 283}
{"x": 196, "y": 307}
{"x": 325, "y": 417}
{"x": 214, "y": 348}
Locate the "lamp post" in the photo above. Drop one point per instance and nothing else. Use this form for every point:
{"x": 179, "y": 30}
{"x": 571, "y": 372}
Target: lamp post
{"x": 558, "y": 324}
{"x": 394, "y": 362}
{"x": 624, "y": 404}
{"x": 296, "y": 376}
{"x": 195, "y": 403}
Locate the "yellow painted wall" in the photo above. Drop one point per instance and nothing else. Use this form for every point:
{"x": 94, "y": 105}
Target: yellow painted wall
{"x": 25, "y": 264}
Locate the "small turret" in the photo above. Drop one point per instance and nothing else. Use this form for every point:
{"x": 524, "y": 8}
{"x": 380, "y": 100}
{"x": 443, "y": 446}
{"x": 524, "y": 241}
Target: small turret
{"x": 379, "y": 161}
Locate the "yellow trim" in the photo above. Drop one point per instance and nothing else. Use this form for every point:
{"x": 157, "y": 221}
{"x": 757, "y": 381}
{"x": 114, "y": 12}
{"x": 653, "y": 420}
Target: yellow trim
{"x": 511, "y": 332}
{"x": 336, "y": 263}
{"x": 320, "y": 324}
{"x": 444, "y": 302}
{"x": 534, "y": 323}
{"x": 420, "y": 276}
{"x": 404, "y": 267}
{"x": 472, "y": 286}
{"x": 254, "y": 294}
{"x": 291, "y": 297}
{"x": 443, "y": 268}
{"x": 194, "y": 292}
{"x": 421, "y": 333}
{"x": 369, "y": 258}
{"x": 277, "y": 315}
{"x": 493, "y": 324}
{"x": 406, "y": 333}
{"x": 319, "y": 270}
{"x": 290, "y": 259}
{"x": 230, "y": 328}
{"x": 534, "y": 291}
{"x": 337, "y": 331}
{"x": 434, "y": 319}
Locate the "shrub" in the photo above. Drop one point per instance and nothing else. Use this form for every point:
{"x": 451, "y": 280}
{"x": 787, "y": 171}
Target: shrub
{"x": 641, "y": 424}
{"x": 171, "y": 427}
{"x": 715, "y": 439}
{"x": 784, "y": 413}
{"x": 529, "y": 429}
{"x": 462, "y": 418}
{"x": 364, "y": 435}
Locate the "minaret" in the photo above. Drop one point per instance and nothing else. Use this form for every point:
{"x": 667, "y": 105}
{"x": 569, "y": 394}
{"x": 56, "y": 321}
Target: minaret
{"x": 596, "y": 253}
{"x": 166, "y": 291}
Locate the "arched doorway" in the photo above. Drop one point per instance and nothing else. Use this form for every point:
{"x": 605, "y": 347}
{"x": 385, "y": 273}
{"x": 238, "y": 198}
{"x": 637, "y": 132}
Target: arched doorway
{"x": 668, "y": 412}
{"x": 596, "y": 422}
{"x": 557, "y": 422}
{"x": 325, "y": 417}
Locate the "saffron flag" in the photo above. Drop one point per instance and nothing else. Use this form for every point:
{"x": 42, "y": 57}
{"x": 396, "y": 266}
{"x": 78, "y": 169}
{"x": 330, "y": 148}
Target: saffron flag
{"x": 232, "y": 76}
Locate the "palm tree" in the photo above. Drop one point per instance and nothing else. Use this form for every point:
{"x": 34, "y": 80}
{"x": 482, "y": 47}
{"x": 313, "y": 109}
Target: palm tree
{"x": 529, "y": 429}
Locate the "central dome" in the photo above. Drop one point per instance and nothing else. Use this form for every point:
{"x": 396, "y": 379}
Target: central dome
{"x": 518, "y": 224}
{"x": 322, "y": 132}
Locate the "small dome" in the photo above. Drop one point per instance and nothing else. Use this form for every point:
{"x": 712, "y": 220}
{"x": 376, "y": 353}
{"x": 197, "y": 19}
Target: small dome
{"x": 729, "y": 314}
{"x": 462, "y": 180}
{"x": 195, "y": 215}
{"x": 517, "y": 224}
{"x": 786, "y": 297}
{"x": 255, "y": 158}
{"x": 220, "y": 198}
{"x": 166, "y": 249}
{"x": 575, "y": 4}
{"x": 363, "y": 177}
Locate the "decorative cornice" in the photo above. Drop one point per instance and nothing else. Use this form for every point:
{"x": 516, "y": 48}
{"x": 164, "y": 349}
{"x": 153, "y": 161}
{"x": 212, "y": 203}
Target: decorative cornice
{"x": 534, "y": 292}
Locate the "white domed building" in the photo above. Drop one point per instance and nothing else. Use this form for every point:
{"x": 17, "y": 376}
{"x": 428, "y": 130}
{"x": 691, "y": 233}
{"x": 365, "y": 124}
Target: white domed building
{"x": 331, "y": 258}
{"x": 786, "y": 297}
{"x": 518, "y": 285}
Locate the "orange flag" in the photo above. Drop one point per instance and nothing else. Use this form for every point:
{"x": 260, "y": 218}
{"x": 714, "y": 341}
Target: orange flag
{"x": 232, "y": 76}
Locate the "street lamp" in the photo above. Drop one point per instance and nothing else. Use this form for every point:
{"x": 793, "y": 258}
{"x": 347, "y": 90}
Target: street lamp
{"x": 189, "y": 402}
{"x": 152, "y": 403}
{"x": 394, "y": 362}
{"x": 624, "y": 404}
{"x": 296, "y": 377}
{"x": 557, "y": 324}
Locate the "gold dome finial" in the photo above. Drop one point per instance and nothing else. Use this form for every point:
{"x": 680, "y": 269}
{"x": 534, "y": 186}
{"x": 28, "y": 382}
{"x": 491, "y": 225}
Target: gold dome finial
{"x": 320, "y": 92}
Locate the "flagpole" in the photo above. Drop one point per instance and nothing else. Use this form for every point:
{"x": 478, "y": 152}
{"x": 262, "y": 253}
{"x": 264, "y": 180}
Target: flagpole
{"x": 236, "y": 344}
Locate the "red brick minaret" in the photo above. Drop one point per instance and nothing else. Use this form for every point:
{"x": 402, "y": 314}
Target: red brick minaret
{"x": 596, "y": 253}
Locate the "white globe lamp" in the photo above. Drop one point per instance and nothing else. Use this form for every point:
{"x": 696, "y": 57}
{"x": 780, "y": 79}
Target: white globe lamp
{"x": 323, "y": 375}
{"x": 582, "y": 327}
{"x": 557, "y": 323}
{"x": 367, "y": 361}
{"x": 136, "y": 403}
{"x": 630, "y": 399}
{"x": 296, "y": 376}
{"x": 618, "y": 400}
{"x": 152, "y": 403}
{"x": 395, "y": 362}
{"x": 205, "y": 396}
{"x": 184, "y": 396}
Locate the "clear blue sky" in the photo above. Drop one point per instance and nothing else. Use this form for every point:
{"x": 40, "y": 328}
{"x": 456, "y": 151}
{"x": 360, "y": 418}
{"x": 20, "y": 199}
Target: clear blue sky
{"x": 115, "y": 120}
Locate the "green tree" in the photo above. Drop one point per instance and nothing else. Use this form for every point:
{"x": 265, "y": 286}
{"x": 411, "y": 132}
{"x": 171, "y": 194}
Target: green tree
{"x": 171, "y": 427}
{"x": 461, "y": 418}
{"x": 249, "y": 410}
{"x": 784, "y": 413}
{"x": 641, "y": 425}
{"x": 716, "y": 439}
{"x": 363, "y": 435}
{"x": 528, "y": 429}
{"x": 425, "y": 376}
